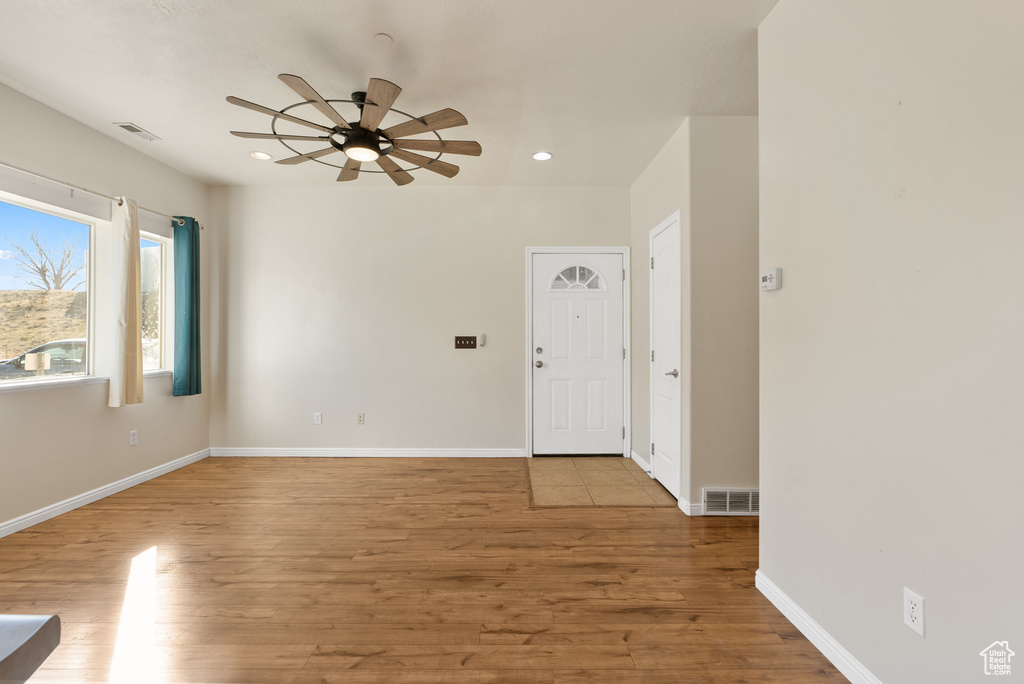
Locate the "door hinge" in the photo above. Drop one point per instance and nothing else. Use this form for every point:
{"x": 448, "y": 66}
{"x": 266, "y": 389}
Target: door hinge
{"x": 623, "y": 353}
{"x": 652, "y": 263}
{"x": 623, "y": 432}
{"x": 652, "y": 448}
{"x": 623, "y": 275}
{"x": 652, "y": 355}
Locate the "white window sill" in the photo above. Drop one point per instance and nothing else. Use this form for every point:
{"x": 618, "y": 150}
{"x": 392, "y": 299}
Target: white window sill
{"x": 49, "y": 383}
{"x": 14, "y": 386}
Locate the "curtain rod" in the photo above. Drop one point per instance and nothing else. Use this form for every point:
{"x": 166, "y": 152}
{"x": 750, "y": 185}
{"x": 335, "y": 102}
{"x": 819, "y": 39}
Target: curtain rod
{"x": 91, "y": 192}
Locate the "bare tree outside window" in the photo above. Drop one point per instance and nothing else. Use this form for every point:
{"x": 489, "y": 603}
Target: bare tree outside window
{"x": 46, "y": 267}
{"x": 44, "y": 299}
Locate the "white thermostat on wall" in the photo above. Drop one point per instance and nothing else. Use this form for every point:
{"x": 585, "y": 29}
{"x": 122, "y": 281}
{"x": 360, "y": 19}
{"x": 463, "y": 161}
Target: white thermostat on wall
{"x": 771, "y": 279}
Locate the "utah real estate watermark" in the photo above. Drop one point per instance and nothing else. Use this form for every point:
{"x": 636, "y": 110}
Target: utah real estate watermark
{"x": 997, "y": 658}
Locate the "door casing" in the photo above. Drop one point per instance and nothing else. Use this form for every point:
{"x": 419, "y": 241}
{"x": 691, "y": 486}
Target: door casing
{"x": 528, "y": 357}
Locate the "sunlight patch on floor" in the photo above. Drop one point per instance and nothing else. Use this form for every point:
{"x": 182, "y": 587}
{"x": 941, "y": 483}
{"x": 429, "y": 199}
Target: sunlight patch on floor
{"x": 135, "y": 655}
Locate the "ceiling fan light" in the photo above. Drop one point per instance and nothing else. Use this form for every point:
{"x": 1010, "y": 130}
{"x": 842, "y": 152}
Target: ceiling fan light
{"x": 361, "y": 153}
{"x": 361, "y": 145}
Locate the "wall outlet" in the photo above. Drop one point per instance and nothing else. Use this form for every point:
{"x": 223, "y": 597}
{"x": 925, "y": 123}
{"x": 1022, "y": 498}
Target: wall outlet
{"x": 360, "y": 419}
{"x": 133, "y": 437}
{"x": 318, "y": 418}
{"x": 913, "y": 611}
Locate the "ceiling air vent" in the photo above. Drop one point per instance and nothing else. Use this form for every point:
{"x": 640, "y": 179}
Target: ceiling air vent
{"x": 136, "y": 130}
{"x": 725, "y": 501}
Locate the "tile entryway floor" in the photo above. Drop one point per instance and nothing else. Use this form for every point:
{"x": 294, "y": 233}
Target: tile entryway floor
{"x": 593, "y": 481}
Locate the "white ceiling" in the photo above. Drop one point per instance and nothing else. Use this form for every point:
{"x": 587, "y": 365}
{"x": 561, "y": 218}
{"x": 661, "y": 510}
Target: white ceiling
{"x": 600, "y": 84}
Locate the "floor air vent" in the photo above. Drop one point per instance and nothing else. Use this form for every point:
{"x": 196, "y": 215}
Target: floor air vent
{"x": 724, "y": 501}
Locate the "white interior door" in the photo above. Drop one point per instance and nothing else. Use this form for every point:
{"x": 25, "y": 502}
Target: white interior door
{"x": 666, "y": 352}
{"x": 577, "y": 354}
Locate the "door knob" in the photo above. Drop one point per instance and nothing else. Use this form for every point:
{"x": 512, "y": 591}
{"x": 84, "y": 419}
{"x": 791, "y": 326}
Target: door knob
{"x": 539, "y": 363}
{"x": 674, "y": 373}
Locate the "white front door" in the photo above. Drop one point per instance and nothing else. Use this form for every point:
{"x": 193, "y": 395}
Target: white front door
{"x": 666, "y": 372}
{"x": 577, "y": 354}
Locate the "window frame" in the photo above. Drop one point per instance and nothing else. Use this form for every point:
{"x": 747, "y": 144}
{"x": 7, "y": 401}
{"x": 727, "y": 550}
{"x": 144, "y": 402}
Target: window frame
{"x": 578, "y": 285}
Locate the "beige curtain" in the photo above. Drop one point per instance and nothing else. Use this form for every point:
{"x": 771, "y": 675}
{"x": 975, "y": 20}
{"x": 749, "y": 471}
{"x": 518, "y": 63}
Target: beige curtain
{"x": 126, "y": 371}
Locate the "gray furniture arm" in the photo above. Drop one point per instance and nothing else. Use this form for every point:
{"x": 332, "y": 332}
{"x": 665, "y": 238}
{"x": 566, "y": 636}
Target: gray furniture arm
{"x": 25, "y": 642}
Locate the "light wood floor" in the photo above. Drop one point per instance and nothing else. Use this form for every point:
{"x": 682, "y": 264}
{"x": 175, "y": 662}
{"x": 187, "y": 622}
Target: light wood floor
{"x": 398, "y": 571}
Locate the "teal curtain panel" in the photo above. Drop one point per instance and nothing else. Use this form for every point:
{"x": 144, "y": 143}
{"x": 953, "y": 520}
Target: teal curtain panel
{"x": 187, "y": 365}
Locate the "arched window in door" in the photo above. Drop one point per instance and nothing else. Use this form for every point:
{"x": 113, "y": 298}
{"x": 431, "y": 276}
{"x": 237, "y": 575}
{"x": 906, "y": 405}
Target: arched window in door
{"x": 577, "y": 278}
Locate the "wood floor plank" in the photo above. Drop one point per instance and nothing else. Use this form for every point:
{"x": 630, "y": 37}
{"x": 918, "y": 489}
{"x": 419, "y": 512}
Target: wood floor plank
{"x": 274, "y": 676}
{"x": 404, "y": 571}
{"x": 723, "y": 657}
{"x": 631, "y": 634}
{"x": 512, "y": 657}
{"x": 695, "y": 677}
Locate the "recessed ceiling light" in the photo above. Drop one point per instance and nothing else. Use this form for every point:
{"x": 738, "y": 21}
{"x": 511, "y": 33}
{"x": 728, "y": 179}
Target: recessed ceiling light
{"x": 542, "y": 156}
{"x": 383, "y": 39}
{"x": 260, "y": 155}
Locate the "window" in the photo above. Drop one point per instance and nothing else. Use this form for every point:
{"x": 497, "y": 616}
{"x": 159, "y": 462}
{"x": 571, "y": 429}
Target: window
{"x": 44, "y": 286}
{"x": 577, "y": 278}
{"x": 153, "y": 309}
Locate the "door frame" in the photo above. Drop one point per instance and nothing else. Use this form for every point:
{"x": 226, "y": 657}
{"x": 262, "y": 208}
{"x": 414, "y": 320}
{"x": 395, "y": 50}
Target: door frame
{"x": 674, "y": 219}
{"x": 626, "y": 362}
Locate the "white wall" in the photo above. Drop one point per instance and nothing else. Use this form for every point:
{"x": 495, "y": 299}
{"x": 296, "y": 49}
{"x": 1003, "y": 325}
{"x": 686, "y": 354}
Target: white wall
{"x": 708, "y": 172}
{"x": 61, "y": 442}
{"x": 344, "y": 299}
{"x": 892, "y": 359}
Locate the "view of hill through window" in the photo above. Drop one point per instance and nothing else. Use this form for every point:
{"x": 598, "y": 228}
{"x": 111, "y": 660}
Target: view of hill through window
{"x": 43, "y": 290}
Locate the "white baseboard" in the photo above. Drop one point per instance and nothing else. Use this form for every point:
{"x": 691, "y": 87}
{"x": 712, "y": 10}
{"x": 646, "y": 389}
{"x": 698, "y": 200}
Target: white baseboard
{"x": 690, "y": 509}
{"x": 61, "y": 507}
{"x": 684, "y": 505}
{"x": 278, "y": 452}
{"x": 642, "y": 462}
{"x": 844, "y": 661}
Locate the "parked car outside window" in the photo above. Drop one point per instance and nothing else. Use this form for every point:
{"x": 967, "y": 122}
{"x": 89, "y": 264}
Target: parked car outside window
{"x": 67, "y": 357}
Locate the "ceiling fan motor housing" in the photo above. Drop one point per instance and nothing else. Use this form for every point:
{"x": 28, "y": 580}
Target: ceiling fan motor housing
{"x": 359, "y": 139}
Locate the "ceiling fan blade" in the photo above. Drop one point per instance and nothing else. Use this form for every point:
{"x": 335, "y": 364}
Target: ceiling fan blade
{"x": 469, "y": 147}
{"x": 398, "y": 175}
{"x": 275, "y": 136}
{"x": 273, "y": 112}
{"x": 383, "y": 94}
{"x": 444, "y": 118}
{"x": 306, "y": 157}
{"x": 306, "y": 92}
{"x": 435, "y": 165}
{"x": 351, "y": 170}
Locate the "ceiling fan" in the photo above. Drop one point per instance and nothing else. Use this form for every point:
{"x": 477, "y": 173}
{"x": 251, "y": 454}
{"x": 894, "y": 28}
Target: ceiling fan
{"x": 364, "y": 142}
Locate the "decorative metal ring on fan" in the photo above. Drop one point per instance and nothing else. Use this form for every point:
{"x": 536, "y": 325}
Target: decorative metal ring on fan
{"x": 364, "y": 142}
